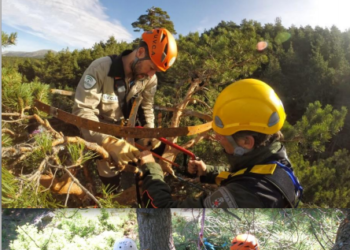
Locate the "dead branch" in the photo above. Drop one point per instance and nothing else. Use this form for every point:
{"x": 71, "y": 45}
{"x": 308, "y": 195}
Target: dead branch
{"x": 44, "y": 123}
{"x": 170, "y": 153}
{"x": 10, "y": 114}
{"x": 62, "y": 92}
{"x": 15, "y": 150}
{"x": 186, "y": 112}
{"x": 132, "y": 117}
{"x": 24, "y": 109}
{"x": 89, "y": 145}
{"x": 7, "y": 131}
{"x": 61, "y": 185}
{"x": 196, "y": 140}
{"x": 82, "y": 187}
{"x": 193, "y": 100}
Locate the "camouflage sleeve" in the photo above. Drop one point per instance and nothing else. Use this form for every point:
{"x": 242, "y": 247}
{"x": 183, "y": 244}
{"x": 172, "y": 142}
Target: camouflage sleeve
{"x": 88, "y": 96}
{"x": 148, "y": 101}
{"x": 157, "y": 194}
{"x": 212, "y": 172}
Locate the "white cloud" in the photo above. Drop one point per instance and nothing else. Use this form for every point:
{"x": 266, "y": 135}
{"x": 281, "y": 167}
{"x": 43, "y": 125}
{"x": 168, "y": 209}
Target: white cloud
{"x": 73, "y": 23}
{"x": 323, "y": 13}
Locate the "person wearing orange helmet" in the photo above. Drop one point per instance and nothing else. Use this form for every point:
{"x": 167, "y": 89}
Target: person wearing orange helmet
{"x": 247, "y": 119}
{"x": 108, "y": 86}
{"x": 245, "y": 242}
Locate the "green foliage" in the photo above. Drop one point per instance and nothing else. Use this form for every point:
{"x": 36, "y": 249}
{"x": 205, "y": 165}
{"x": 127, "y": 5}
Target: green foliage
{"x": 105, "y": 222}
{"x": 274, "y": 228}
{"x": 301, "y": 229}
{"x": 6, "y": 140}
{"x": 17, "y": 195}
{"x": 44, "y": 141}
{"x": 306, "y": 66}
{"x": 7, "y": 40}
{"x": 107, "y": 198}
{"x": 155, "y": 18}
{"x": 319, "y": 171}
{"x": 71, "y": 232}
{"x": 76, "y": 151}
{"x": 17, "y": 95}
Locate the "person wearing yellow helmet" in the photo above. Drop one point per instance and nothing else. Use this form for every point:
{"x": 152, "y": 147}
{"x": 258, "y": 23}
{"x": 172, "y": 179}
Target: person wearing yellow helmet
{"x": 108, "y": 86}
{"x": 247, "y": 118}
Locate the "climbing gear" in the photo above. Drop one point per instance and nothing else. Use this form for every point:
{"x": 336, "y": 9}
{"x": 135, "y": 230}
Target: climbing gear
{"x": 121, "y": 89}
{"x": 245, "y": 241}
{"x": 248, "y": 105}
{"x": 120, "y": 131}
{"x": 125, "y": 244}
{"x": 276, "y": 173}
{"x": 162, "y": 48}
{"x": 200, "y": 236}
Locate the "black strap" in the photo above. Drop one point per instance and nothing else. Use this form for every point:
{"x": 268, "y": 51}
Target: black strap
{"x": 280, "y": 179}
{"x": 121, "y": 91}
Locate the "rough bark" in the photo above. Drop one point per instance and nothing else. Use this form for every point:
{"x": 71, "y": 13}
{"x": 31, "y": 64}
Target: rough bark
{"x": 155, "y": 232}
{"x": 343, "y": 234}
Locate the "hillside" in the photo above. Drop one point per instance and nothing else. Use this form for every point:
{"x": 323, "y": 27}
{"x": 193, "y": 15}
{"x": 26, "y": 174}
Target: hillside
{"x": 34, "y": 54}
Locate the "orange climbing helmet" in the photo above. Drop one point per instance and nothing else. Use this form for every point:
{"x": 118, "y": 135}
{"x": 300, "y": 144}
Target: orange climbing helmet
{"x": 245, "y": 242}
{"x": 162, "y": 47}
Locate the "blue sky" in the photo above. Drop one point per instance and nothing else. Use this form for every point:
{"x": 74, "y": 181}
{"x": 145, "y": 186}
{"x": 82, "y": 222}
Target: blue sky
{"x": 77, "y": 24}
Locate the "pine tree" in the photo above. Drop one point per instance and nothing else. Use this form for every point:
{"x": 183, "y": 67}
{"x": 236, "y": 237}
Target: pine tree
{"x": 7, "y": 40}
{"x": 155, "y": 18}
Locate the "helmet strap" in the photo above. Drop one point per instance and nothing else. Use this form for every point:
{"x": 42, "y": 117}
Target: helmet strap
{"x": 136, "y": 59}
{"x": 239, "y": 151}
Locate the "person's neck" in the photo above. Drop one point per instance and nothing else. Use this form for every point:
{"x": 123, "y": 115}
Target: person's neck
{"x": 127, "y": 61}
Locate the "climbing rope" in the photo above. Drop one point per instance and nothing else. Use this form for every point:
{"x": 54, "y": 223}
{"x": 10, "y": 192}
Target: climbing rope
{"x": 201, "y": 232}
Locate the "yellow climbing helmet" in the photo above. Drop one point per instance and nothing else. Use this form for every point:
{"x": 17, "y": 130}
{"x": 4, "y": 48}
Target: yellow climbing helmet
{"x": 250, "y": 105}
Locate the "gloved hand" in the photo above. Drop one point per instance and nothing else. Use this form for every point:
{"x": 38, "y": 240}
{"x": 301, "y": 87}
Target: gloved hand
{"x": 150, "y": 143}
{"x": 120, "y": 151}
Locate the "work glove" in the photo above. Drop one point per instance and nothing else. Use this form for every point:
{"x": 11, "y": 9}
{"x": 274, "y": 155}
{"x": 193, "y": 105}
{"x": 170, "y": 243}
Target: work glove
{"x": 150, "y": 143}
{"x": 120, "y": 151}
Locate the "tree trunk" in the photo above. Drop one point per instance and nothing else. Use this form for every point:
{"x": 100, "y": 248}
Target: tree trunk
{"x": 155, "y": 232}
{"x": 343, "y": 234}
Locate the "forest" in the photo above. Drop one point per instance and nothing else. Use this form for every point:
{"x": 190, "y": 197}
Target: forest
{"x": 98, "y": 229}
{"x": 45, "y": 164}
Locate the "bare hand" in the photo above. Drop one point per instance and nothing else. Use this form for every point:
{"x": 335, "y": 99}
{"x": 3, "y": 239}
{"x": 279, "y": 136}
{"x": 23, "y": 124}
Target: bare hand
{"x": 197, "y": 167}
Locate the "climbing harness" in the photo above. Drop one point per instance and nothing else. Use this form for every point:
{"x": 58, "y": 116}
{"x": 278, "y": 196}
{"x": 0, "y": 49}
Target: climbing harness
{"x": 276, "y": 173}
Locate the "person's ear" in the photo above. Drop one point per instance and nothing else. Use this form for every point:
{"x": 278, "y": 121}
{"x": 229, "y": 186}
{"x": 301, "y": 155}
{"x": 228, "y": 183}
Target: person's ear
{"x": 249, "y": 142}
{"x": 141, "y": 52}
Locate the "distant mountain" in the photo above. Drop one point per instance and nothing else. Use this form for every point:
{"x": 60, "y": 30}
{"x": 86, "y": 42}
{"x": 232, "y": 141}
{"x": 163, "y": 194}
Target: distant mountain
{"x": 34, "y": 54}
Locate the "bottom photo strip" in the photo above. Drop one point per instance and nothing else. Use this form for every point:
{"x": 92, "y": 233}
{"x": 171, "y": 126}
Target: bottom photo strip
{"x": 180, "y": 229}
